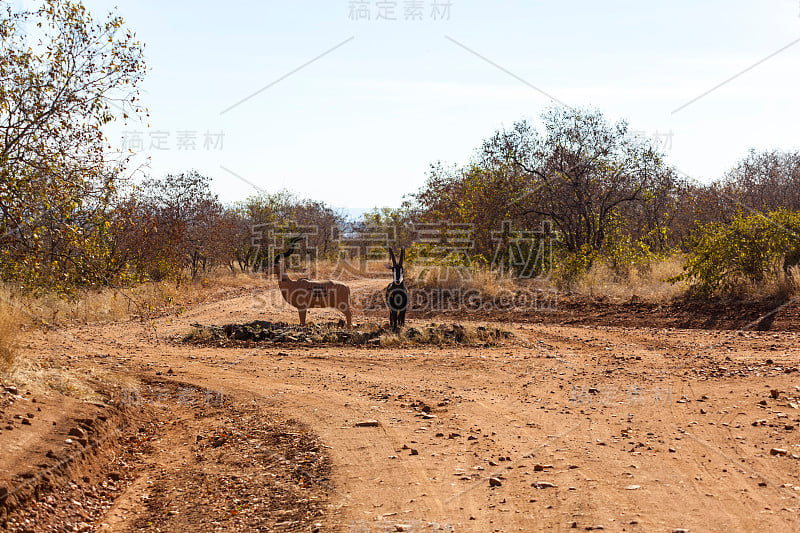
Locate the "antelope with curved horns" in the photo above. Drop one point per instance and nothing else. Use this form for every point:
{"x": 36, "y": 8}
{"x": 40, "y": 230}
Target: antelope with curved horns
{"x": 305, "y": 294}
{"x": 396, "y": 293}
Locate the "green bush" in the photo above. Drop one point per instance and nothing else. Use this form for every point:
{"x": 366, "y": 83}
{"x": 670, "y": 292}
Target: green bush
{"x": 751, "y": 248}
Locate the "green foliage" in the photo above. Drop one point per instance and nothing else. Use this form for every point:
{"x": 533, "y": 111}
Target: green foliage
{"x": 396, "y": 222}
{"x": 749, "y": 249}
{"x": 622, "y": 252}
{"x": 572, "y": 265}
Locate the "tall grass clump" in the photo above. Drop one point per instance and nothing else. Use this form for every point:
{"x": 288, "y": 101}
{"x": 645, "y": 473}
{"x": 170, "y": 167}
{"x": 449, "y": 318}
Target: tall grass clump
{"x": 10, "y": 324}
{"x": 487, "y": 281}
{"x": 649, "y": 282}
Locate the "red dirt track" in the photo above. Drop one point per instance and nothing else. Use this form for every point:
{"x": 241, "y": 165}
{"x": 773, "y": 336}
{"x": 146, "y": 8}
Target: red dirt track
{"x": 581, "y": 420}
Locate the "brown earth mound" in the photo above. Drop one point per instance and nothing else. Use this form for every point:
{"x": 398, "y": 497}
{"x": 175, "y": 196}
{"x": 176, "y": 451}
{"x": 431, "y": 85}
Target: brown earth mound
{"x": 281, "y": 333}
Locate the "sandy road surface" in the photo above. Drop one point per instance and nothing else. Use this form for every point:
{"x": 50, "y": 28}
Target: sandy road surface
{"x": 630, "y": 429}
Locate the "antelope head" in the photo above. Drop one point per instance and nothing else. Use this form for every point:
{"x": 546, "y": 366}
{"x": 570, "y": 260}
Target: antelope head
{"x": 275, "y": 268}
{"x": 397, "y": 267}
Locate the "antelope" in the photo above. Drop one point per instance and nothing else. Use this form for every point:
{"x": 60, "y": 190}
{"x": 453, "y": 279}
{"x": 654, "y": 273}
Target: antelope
{"x": 305, "y": 294}
{"x": 396, "y": 293}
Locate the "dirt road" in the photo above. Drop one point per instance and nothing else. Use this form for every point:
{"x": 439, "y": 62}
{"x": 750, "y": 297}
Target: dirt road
{"x": 621, "y": 429}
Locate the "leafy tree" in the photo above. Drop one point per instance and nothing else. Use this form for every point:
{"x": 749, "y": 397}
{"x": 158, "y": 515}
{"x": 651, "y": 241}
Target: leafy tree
{"x": 283, "y": 210}
{"x": 579, "y": 172}
{"x": 63, "y": 76}
{"x": 179, "y": 225}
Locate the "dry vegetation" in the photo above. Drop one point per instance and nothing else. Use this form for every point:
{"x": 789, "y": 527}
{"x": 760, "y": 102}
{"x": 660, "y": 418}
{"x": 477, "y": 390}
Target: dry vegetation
{"x": 648, "y": 284}
{"x": 21, "y": 313}
{"x": 9, "y": 331}
{"x": 483, "y": 279}
{"x": 600, "y": 280}
{"x": 109, "y": 304}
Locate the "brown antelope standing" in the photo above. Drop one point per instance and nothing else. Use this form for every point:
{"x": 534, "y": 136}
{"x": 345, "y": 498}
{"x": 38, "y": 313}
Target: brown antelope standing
{"x": 305, "y": 294}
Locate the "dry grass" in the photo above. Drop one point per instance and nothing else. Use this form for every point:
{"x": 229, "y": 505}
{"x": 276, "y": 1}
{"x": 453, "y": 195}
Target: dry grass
{"x": 601, "y": 280}
{"x": 791, "y": 282}
{"x": 110, "y": 305}
{"x": 488, "y": 282}
{"x": 9, "y": 332}
{"x": 648, "y": 284}
{"x": 779, "y": 286}
{"x": 148, "y": 300}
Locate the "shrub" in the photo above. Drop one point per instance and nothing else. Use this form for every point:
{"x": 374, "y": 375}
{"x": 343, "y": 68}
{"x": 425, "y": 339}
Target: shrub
{"x": 750, "y": 249}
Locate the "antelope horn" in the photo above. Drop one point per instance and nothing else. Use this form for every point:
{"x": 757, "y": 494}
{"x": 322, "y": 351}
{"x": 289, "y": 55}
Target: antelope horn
{"x": 391, "y": 254}
{"x": 290, "y": 250}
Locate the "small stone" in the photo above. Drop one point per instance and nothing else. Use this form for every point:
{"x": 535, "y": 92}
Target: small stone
{"x": 368, "y": 424}
{"x": 26, "y": 422}
{"x": 672, "y": 450}
{"x": 543, "y": 485}
{"x": 414, "y": 452}
{"x": 774, "y": 393}
{"x": 77, "y": 432}
{"x": 494, "y": 482}
{"x": 680, "y": 530}
{"x": 633, "y": 487}
{"x": 778, "y": 451}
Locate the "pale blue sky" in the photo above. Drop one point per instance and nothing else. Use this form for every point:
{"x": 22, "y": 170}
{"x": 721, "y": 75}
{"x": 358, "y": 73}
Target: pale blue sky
{"x": 359, "y": 126}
